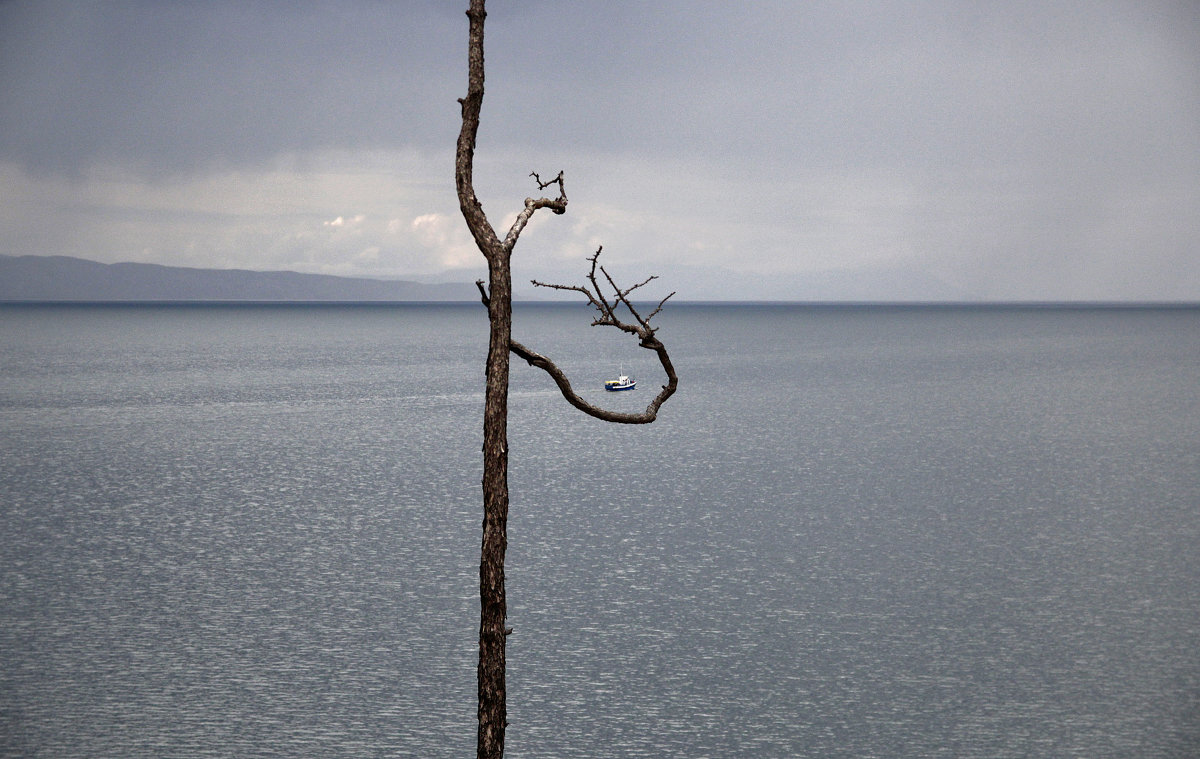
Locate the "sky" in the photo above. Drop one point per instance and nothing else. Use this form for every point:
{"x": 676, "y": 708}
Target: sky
{"x": 1043, "y": 150}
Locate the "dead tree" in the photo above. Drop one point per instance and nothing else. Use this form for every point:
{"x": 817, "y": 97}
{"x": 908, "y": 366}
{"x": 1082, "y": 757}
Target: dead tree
{"x": 497, "y": 297}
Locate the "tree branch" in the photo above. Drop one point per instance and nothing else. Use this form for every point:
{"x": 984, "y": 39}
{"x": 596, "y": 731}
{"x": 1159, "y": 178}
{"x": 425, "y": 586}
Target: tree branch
{"x": 543, "y": 185}
{"x": 620, "y": 297}
{"x": 607, "y": 317}
{"x": 647, "y": 339}
{"x": 557, "y": 205}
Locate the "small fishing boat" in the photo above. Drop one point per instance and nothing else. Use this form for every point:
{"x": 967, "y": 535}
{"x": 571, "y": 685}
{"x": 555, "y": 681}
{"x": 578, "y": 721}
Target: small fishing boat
{"x": 620, "y": 383}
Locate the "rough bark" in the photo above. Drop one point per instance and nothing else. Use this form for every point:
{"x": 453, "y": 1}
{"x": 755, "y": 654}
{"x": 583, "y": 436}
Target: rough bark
{"x": 497, "y": 297}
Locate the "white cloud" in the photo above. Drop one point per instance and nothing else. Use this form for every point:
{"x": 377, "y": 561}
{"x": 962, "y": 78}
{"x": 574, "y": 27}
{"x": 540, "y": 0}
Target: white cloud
{"x": 342, "y": 221}
{"x": 446, "y": 238}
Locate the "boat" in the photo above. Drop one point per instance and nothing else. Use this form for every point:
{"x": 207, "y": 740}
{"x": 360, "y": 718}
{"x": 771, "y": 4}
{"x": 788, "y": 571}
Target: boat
{"x": 620, "y": 383}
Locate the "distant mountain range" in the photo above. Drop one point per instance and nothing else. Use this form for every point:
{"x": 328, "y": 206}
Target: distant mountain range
{"x": 62, "y": 278}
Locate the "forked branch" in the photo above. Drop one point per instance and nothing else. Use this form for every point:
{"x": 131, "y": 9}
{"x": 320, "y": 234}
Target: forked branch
{"x": 557, "y": 205}
{"x": 607, "y": 309}
{"x": 606, "y": 306}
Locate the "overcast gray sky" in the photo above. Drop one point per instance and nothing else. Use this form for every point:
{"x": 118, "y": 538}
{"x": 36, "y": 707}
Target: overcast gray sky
{"x": 900, "y": 150}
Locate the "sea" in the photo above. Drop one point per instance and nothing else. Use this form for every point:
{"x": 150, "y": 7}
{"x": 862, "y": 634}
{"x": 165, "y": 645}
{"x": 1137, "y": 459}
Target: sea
{"x": 252, "y": 530}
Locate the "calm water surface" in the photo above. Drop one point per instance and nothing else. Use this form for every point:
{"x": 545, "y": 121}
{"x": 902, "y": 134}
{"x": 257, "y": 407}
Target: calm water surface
{"x": 855, "y": 532}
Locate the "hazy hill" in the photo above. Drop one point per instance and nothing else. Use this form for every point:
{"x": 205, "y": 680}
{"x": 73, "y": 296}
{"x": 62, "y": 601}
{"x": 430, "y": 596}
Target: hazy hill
{"x": 62, "y": 278}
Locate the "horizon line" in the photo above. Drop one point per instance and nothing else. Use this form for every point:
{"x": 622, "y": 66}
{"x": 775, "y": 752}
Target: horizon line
{"x": 998, "y": 303}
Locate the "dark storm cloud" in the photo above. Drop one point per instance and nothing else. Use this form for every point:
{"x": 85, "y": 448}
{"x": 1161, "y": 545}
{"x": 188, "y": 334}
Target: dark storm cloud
{"x": 171, "y": 86}
{"x": 826, "y": 84}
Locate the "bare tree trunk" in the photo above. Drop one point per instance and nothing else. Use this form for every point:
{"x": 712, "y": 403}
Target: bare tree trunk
{"x": 497, "y": 296}
{"x": 493, "y": 603}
